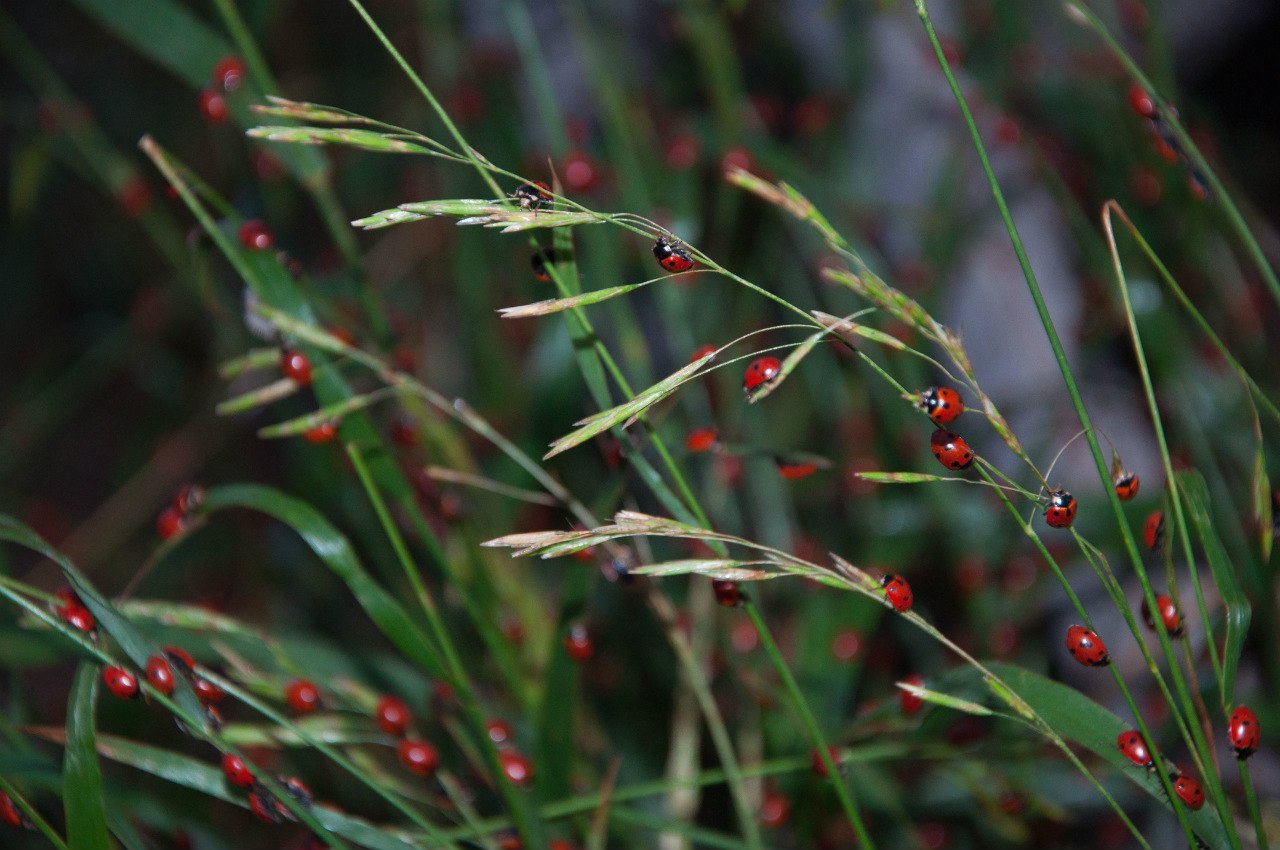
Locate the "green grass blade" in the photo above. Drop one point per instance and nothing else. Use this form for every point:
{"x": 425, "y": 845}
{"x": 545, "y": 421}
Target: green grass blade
{"x": 335, "y": 551}
{"x": 1195, "y": 495}
{"x": 81, "y": 774}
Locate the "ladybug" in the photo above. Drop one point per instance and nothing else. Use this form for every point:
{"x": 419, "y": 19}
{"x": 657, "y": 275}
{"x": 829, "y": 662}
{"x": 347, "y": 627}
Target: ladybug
{"x": 160, "y": 675}
{"x": 170, "y": 523}
{"x": 760, "y": 372}
{"x": 79, "y": 618}
{"x": 236, "y": 771}
{"x": 1189, "y": 791}
{"x": 702, "y": 440}
{"x": 302, "y": 696}
{"x": 819, "y": 766}
{"x": 1126, "y": 484}
{"x": 264, "y": 805}
{"x": 207, "y": 692}
{"x": 672, "y": 256}
{"x": 322, "y": 433}
{"x": 775, "y": 810}
{"x": 1168, "y": 615}
{"x": 181, "y": 659}
{"x": 228, "y": 73}
{"x": 255, "y": 235}
{"x": 11, "y": 814}
{"x": 516, "y": 767}
{"x": 532, "y": 196}
{"x": 120, "y": 682}
{"x": 942, "y": 404}
{"x": 898, "y": 592}
{"x": 1244, "y": 732}
{"x": 1153, "y": 530}
{"x": 727, "y": 593}
{"x": 299, "y": 791}
{"x": 540, "y": 260}
{"x": 295, "y": 366}
{"x": 577, "y": 642}
{"x": 213, "y": 106}
{"x": 1135, "y": 749}
{"x": 499, "y": 731}
{"x": 419, "y": 756}
{"x": 909, "y": 702}
{"x": 393, "y": 715}
{"x": 1061, "y": 510}
{"x": 1141, "y": 101}
{"x": 1086, "y": 647}
{"x": 793, "y": 469}
{"x": 950, "y": 449}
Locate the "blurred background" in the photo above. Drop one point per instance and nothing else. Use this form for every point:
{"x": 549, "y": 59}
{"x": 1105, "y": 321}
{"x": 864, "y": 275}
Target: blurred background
{"x": 117, "y": 312}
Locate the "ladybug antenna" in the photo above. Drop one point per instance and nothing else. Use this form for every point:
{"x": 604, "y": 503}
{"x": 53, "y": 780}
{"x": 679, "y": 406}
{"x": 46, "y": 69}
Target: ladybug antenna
{"x": 1058, "y": 457}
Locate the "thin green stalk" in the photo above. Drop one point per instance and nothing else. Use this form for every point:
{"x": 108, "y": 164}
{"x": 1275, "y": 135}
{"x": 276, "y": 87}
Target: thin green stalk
{"x": 33, "y": 815}
{"x": 1073, "y": 390}
{"x": 811, "y": 724}
{"x": 1189, "y": 148}
{"x": 1251, "y": 799}
{"x": 530, "y": 828}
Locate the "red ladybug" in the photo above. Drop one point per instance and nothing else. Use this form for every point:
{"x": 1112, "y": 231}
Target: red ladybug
{"x": 1126, "y": 484}
{"x": 1086, "y": 647}
{"x": 419, "y": 756}
{"x": 775, "y": 810}
{"x": 1134, "y": 748}
{"x": 295, "y": 366}
{"x": 10, "y": 813}
{"x": 760, "y": 372}
{"x": 898, "y": 592}
{"x": 207, "y": 692}
{"x": 78, "y": 617}
{"x": 950, "y": 449}
{"x": 1189, "y": 791}
{"x": 255, "y": 235}
{"x": 120, "y": 682}
{"x": 213, "y": 106}
{"x": 264, "y": 805}
{"x": 516, "y": 767}
{"x": 1153, "y": 530}
{"x": 1061, "y": 510}
{"x": 577, "y": 642}
{"x": 819, "y": 766}
{"x": 942, "y": 404}
{"x": 1244, "y": 732}
{"x": 188, "y": 498}
{"x": 181, "y": 659}
{"x": 703, "y": 350}
{"x": 170, "y": 523}
{"x": 532, "y": 196}
{"x": 322, "y": 433}
{"x": 160, "y": 675}
{"x": 727, "y": 593}
{"x": 499, "y": 731}
{"x": 1141, "y": 101}
{"x": 228, "y": 73}
{"x": 909, "y": 702}
{"x": 540, "y": 261}
{"x": 1168, "y": 615}
{"x": 393, "y": 715}
{"x": 702, "y": 439}
{"x": 672, "y": 256}
{"x": 302, "y": 696}
{"x": 794, "y": 469}
{"x": 236, "y": 771}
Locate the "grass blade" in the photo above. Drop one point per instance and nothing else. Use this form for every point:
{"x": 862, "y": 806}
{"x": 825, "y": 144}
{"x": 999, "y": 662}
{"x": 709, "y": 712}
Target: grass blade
{"x": 81, "y": 774}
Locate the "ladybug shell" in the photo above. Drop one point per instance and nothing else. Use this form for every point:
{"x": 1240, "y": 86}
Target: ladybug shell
{"x": 727, "y": 592}
{"x": 1244, "y": 732}
{"x": 1153, "y": 530}
{"x": 672, "y": 257}
{"x": 1134, "y": 748}
{"x": 950, "y": 449}
{"x": 1061, "y": 510}
{"x": 760, "y": 372}
{"x": 1086, "y": 647}
{"x": 532, "y": 196}
{"x": 942, "y": 404}
{"x": 794, "y": 469}
{"x": 1168, "y": 615}
{"x": 1189, "y": 791}
{"x": 120, "y": 682}
{"x": 1126, "y": 484}
{"x": 898, "y": 592}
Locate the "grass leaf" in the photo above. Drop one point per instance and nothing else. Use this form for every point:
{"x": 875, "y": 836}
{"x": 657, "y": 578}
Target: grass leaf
{"x": 81, "y": 775}
{"x": 368, "y": 140}
{"x": 556, "y": 305}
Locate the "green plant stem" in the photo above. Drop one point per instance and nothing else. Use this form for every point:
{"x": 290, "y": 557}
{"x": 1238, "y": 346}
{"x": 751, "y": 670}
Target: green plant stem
{"x": 1189, "y": 148}
{"x": 811, "y": 724}
{"x": 530, "y": 828}
{"x": 1251, "y": 799}
{"x": 33, "y": 815}
{"x": 1073, "y": 390}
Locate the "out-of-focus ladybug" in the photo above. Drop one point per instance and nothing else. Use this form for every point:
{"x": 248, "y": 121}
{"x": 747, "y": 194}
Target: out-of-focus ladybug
{"x": 1153, "y": 530}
